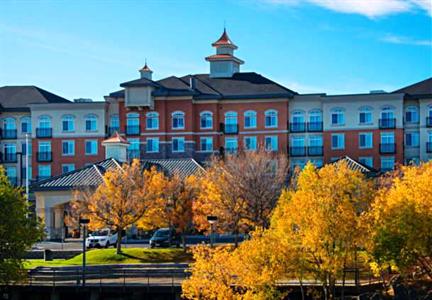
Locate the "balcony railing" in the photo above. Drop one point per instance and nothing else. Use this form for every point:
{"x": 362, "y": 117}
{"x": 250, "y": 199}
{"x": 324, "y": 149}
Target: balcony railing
{"x": 131, "y": 154}
{"x": 387, "y": 123}
{"x": 428, "y": 121}
{"x": 297, "y": 151}
{"x": 315, "y": 150}
{"x": 111, "y": 130}
{"x": 388, "y": 148}
{"x": 297, "y": 127}
{"x": 44, "y": 156}
{"x": 44, "y": 132}
{"x": 132, "y": 130}
{"x": 229, "y": 128}
{"x": 429, "y": 147}
{"x": 315, "y": 126}
{"x": 9, "y": 133}
{"x": 9, "y": 157}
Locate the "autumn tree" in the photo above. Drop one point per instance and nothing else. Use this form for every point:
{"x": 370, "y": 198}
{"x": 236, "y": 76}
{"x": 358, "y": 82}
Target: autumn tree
{"x": 17, "y": 231}
{"x": 401, "y": 222}
{"x": 241, "y": 190}
{"x": 123, "y": 198}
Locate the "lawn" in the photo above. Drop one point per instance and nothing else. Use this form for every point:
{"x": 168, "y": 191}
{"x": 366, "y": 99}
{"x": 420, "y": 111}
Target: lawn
{"x": 109, "y": 256}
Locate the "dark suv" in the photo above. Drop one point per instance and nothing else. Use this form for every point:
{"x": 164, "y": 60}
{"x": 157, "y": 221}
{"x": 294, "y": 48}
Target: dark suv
{"x": 165, "y": 237}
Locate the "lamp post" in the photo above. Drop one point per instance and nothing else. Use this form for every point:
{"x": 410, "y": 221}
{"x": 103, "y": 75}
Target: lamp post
{"x": 212, "y": 220}
{"x": 84, "y": 223}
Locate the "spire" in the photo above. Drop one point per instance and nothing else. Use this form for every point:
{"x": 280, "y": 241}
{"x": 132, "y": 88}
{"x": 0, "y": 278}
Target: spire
{"x": 224, "y": 41}
{"x": 145, "y": 71}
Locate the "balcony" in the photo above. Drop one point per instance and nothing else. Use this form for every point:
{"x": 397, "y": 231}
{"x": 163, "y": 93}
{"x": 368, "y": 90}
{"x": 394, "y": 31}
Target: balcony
{"x": 229, "y": 128}
{"x": 43, "y": 132}
{"x": 132, "y": 130}
{"x": 428, "y": 121}
{"x": 111, "y": 130}
{"x": 315, "y": 126}
{"x": 297, "y": 151}
{"x": 389, "y": 148}
{"x": 135, "y": 153}
{"x": 297, "y": 127}
{"x": 429, "y": 147}
{"x": 9, "y": 134}
{"x": 315, "y": 151}
{"x": 9, "y": 157}
{"x": 387, "y": 123}
{"x": 45, "y": 156}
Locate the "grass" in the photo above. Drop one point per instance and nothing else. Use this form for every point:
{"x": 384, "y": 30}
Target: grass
{"x": 109, "y": 256}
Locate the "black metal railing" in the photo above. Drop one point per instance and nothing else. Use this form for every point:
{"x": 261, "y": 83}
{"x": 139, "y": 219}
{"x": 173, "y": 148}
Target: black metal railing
{"x": 132, "y": 130}
{"x": 9, "y": 133}
{"x": 388, "y": 148}
{"x": 44, "y": 132}
{"x": 9, "y": 157}
{"x": 297, "y": 127}
{"x": 428, "y": 121}
{"x": 297, "y": 151}
{"x": 387, "y": 123}
{"x": 229, "y": 128}
{"x": 315, "y": 126}
{"x": 315, "y": 150}
{"x": 429, "y": 147}
{"x": 44, "y": 156}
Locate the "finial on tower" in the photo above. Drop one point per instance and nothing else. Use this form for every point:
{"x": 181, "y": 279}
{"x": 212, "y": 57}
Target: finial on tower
{"x": 145, "y": 71}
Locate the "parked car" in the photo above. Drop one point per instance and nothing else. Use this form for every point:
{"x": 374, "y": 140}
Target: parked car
{"x": 101, "y": 239}
{"x": 165, "y": 237}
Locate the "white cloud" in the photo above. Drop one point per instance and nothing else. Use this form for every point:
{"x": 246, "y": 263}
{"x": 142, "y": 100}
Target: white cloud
{"x": 395, "y": 39}
{"x": 368, "y": 8}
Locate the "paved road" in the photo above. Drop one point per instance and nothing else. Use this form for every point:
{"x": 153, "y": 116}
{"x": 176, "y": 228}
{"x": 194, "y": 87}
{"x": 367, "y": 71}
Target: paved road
{"x": 77, "y": 245}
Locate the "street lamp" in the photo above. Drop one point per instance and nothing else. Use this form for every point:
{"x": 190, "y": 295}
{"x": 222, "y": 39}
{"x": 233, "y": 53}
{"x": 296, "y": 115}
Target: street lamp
{"x": 212, "y": 220}
{"x": 84, "y": 223}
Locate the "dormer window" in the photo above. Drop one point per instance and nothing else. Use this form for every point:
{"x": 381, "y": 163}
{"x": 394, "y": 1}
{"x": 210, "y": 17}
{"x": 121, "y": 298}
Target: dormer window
{"x": 178, "y": 120}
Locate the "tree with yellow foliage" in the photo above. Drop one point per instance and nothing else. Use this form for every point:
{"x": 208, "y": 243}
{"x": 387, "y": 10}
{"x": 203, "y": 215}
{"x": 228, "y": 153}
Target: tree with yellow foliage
{"x": 401, "y": 222}
{"x": 124, "y": 197}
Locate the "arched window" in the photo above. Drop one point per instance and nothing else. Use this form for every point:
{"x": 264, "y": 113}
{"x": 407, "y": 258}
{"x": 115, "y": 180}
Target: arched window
{"x": 412, "y": 114}
{"x": 271, "y": 118}
{"x": 91, "y": 123}
{"x": 315, "y": 116}
{"x": 152, "y": 120}
{"x": 387, "y": 117}
{"x": 25, "y": 124}
{"x": 206, "y": 120}
{"x": 365, "y": 115}
{"x": 178, "y": 120}
{"x": 231, "y": 124}
{"x": 298, "y": 117}
{"x": 44, "y": 121}
{"x": 68, "y": 123}
{"x": 337, "y": 116}
{"x": 250, "y": 119}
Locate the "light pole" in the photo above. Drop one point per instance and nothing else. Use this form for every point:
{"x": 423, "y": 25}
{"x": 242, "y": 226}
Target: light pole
{"x": 84, "y": 223}
{"x": 27, "y": 167}
{"x": 212, "y": 220}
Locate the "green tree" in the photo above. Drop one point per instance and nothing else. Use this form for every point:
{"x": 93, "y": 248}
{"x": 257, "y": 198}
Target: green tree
{"x": 17, "y": 231}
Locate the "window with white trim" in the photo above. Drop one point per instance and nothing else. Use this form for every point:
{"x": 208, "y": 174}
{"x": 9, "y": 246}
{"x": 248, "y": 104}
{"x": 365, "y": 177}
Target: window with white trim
{"x": 231, "y": 144}
{"x": 152, "y": 145}
{"x": 315, "y": 140}
{"x": 387, "y": 163}
{"x": 412, "y": 114}
{"x": 68, "y": 168}
{"x": 365, "y": 115}
{"x": 250, "y": 143}
{"x": 315, "y": 116}
{"x": 250, "y": 119}
{"x": 68, "y": 123}
{"x": 44, "y": 171}
{"x": 115, "y": 121}
{"x": 206, "y": 143}
{"x": 206, "y": 120}
{"x": 91, "y": 123}
{"x": 91, "y": 147}
{"x": 68, "y": 148}
{"x": 338, "y": 141}
{"x": 44, "y": 122}
{"x": 366, "y": 160}
{"x": 271, "y": 143}
{"x": 9, "y": 124}
{"x": 271, "y": 118}
{"x": 152, "y": 120}
{"x": 337, "y": 116}
{"x": 44, "y": 147}
{"x": 26, "y": 125}
{"x": 178, "y": 120}
{"x": 178, "y": 144}
{"x": 387, "y": 138}
{"x": 365, "y": 140}
{"x": 412, "y": 139}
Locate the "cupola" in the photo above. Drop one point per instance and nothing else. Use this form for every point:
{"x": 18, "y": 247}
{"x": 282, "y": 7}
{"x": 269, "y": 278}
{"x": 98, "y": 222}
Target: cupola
{"x": 116, "y": 147}
{"x": 146, "y": 72}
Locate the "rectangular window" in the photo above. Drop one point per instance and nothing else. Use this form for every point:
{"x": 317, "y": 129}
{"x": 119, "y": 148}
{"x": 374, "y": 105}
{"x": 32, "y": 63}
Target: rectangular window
{"x": 231, "y": 145}
{"x": 367, "y": 161}
{"x": 68, "y": 168}
{"x": 412, "y": 139}
{"x": 315, "y": 141}
{"x": 25, "y": 127}
{"x": 365, "y": 140}
{"x": 387, "y": 138}
{"x": 206, "y": 144}
{"x": 44, "y": 147}
{"x": 387, "y": 163}
{"x": 152, "y": 145}
{"x": 365, "y": 117}
{"x": 91, "y": 147}
{"x": 337, "y": 118}
{"x": 271, "y": 143}
{"x": 24, "y": 149}
{"x": 250, "y": 143}
{"x": 338, "y": 141}
{"x": 44, "y": 171}
{"x": 68, "y": 148}
{"x": 68, "y": 125}
{"x": 90, "y": 124}
{"x": 178, "y": 144}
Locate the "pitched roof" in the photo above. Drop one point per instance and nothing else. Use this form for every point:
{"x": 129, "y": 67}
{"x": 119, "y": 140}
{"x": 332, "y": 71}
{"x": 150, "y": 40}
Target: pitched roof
{"x": 224, "y": 40}
{"x": 17, "y": 98}
{"x": 423, "y": 87}
{"x": 115, "y": 138}
{"x": 242, "y": 85}
{"x": 356, "y": 166}
{"x": 91, "y": 176}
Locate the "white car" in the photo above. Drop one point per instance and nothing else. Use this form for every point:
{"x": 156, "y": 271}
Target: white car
{"x": 101, "y": 239}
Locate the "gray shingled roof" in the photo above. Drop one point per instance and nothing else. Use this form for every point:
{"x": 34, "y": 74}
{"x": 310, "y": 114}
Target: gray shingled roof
{"x": 239, "y": 86}
{"x": 17, "y": 98}
{"x": 91, "y": 176}
{"x": 423, "y": 87}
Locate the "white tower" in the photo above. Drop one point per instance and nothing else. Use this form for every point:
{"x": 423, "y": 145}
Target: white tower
{"x": 116, "y": 147}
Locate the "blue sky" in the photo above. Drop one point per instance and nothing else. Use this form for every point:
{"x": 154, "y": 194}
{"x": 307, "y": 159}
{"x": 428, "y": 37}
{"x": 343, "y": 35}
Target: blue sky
{"x": 87, "y": 48}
